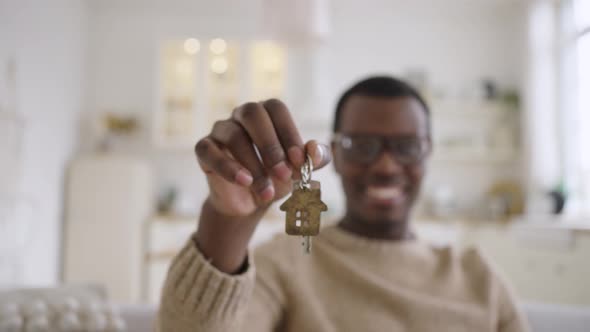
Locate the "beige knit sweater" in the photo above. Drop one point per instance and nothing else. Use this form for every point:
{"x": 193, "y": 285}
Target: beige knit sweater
{"x": 348, "y": 283}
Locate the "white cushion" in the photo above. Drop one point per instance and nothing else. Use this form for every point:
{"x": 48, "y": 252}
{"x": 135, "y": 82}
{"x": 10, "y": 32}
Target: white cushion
{"x": 138, "y": 318}
{"x": 61, "y": 309}
{"x": 557, "y": 318}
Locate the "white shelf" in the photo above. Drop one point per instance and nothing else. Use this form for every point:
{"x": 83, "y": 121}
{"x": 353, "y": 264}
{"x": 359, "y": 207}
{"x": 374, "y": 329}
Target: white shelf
{"x": 468, "y": 108}
{"x": 470, "y": 131}
{"x": 492, "y": 156}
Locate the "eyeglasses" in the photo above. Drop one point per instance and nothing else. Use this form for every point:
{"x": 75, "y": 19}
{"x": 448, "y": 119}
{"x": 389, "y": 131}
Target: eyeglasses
{"x": 364, "y": 149}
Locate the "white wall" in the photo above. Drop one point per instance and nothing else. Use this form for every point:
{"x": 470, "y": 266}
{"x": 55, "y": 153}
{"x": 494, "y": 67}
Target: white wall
{"x": 457, "y": 42}
{"x": 47, "y": 41}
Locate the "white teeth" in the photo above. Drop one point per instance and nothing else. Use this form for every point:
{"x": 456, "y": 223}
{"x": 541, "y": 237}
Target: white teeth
{"x": 383, "y": 193}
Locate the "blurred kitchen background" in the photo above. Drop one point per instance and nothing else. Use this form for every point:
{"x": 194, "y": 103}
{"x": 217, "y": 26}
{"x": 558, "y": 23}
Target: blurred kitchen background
{"x": 101, "y": 103}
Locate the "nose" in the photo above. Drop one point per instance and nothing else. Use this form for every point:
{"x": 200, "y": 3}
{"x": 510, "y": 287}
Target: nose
{"x": 386, "y": 164}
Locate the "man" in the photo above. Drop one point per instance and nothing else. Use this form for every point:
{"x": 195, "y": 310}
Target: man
{"x": 368, "y": 272}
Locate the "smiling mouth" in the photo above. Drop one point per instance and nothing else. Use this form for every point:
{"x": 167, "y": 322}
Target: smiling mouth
{"x": 385, "y": 196}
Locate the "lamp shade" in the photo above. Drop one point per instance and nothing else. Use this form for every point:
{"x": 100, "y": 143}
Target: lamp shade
{"x": 298, "y": 22}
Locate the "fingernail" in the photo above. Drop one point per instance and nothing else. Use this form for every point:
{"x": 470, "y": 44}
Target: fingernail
{"x": 243, "y": 178}
{"x": 268, "y": 193}
{"x": 282, "y": 171}
{"x": 319, "y": 154}
{"x": 295, "y": 154}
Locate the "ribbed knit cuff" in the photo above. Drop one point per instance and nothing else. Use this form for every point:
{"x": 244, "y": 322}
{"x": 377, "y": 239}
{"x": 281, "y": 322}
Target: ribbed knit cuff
{"x": 197, "y": 291}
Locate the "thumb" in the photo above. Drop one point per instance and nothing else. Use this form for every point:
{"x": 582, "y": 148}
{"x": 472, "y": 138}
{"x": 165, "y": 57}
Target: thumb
{"x": 320, "y": 154}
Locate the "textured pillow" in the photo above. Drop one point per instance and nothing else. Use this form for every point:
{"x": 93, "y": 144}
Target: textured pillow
{"x": 63, "y": 309}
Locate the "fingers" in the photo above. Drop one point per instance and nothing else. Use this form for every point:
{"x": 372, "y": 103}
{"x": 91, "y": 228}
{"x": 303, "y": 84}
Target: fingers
{"x": 231, "y": 136}
{"x": 259, "y": 147}
{"x": 254, "y": 118}
{"x": 286, "y": 130}
{"x": 211, "y": 158}
{"x": 320, "y": 154}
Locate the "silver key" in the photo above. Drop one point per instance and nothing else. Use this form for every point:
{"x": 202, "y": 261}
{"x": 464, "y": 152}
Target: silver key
{"x": 304, "y": 207}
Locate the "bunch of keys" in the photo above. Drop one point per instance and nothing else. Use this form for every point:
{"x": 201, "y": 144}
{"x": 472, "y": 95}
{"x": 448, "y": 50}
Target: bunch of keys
{"x": 304, "y": 207}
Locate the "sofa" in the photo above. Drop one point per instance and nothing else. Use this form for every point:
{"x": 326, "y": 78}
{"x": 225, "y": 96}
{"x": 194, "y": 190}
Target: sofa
{"x": 542, "y": 317}
{"x": 141, "y": 317}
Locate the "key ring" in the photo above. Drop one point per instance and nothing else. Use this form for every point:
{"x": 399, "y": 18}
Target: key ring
{"x": 306, "y": 170}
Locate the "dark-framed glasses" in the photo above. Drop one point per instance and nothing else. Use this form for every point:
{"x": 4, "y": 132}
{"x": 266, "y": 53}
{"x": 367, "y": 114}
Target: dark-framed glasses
{"x": 364, "y": 149}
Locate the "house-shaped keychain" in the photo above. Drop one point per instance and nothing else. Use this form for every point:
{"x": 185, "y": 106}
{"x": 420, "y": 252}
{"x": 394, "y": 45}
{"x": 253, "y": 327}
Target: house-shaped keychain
{"x": 303, "y": 210}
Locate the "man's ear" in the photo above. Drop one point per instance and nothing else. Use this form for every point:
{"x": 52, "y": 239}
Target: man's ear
{"x": 335, "y": 157}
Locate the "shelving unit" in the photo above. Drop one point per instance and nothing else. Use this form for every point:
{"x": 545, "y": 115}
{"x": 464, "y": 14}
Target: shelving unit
{"x": 476, "y": 148}
{"x": 480, "y": 132}
{"x": 202, "y": 81}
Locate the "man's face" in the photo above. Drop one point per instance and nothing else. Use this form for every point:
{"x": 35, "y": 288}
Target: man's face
{"x": 383, "y": 189}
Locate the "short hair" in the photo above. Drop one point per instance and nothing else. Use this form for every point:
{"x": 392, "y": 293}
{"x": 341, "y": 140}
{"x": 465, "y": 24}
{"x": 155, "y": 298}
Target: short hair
{"x": 379, "y": 86}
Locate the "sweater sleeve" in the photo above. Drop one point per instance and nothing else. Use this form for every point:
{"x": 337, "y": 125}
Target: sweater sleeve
{"x": 198, "y": 297}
